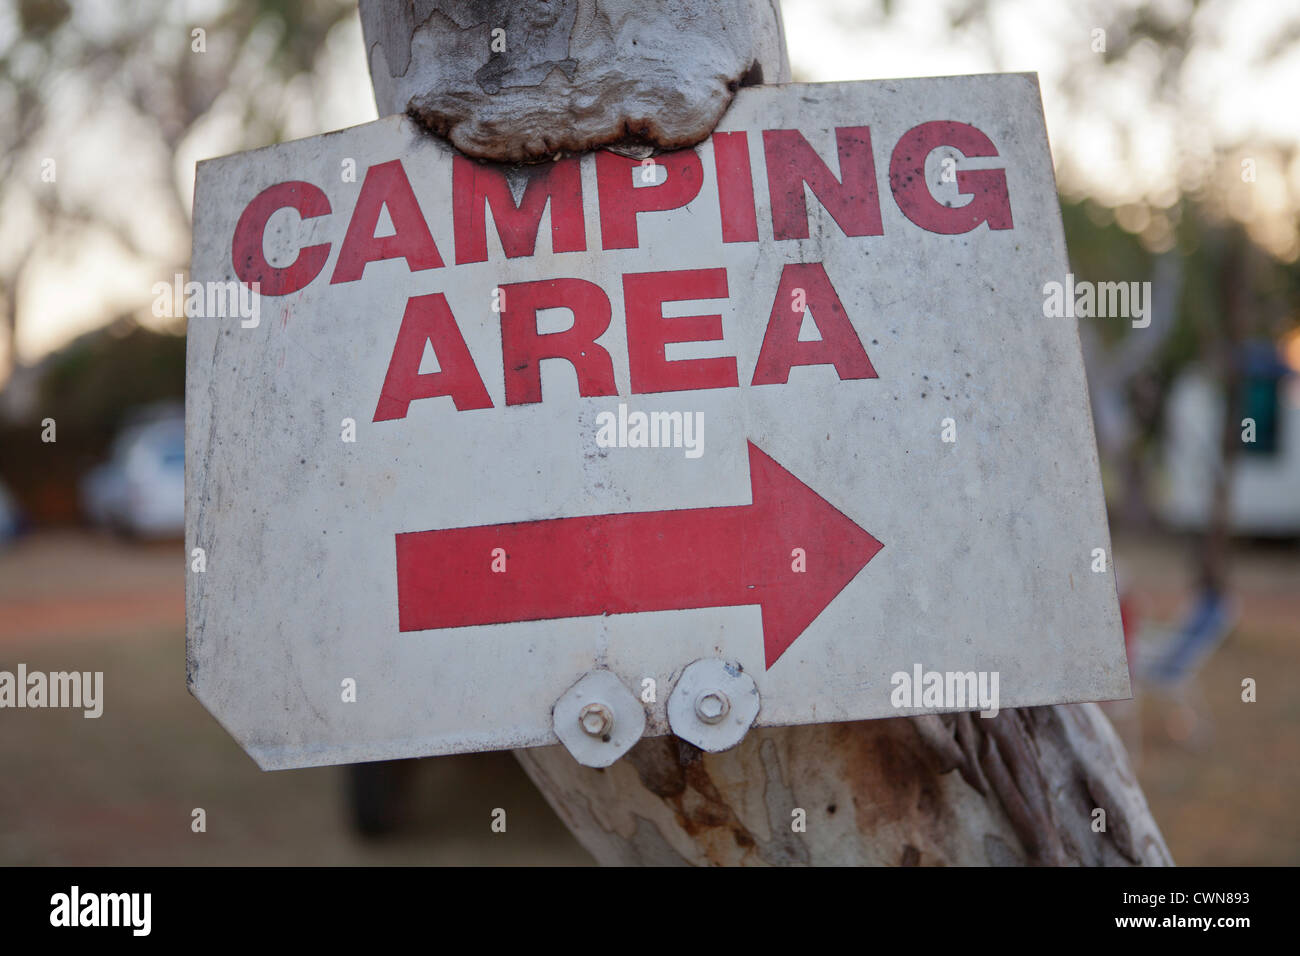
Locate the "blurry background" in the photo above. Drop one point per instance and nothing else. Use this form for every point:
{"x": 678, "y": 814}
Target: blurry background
{"x": 1174, "y": 128}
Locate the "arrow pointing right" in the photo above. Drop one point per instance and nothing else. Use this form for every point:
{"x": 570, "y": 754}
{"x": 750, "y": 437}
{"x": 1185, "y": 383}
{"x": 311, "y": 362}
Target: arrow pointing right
{"x": 644, "y": 561}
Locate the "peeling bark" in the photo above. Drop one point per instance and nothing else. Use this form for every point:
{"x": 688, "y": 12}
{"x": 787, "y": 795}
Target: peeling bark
{"x": 898, "y": 792}
{"x": 524, "y": 81}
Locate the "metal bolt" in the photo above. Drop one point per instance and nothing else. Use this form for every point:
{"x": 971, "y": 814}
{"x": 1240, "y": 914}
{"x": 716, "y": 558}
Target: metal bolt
{"x": 596, "y": 719}
{"x": 711, "y": 706}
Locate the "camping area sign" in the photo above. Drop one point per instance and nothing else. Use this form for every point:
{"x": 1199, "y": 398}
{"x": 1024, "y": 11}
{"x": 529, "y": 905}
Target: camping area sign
{"x": 788, "y": 399}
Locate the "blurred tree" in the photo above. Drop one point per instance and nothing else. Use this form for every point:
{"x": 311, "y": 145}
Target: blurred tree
{"x": 1216, "y": 230}
{"x": 95, "y": 381}
{"x": 159, "y": 73}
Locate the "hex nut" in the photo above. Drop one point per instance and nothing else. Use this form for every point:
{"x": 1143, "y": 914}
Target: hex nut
{"x": 713, "y": 704}
{"x": 598, "y": 719}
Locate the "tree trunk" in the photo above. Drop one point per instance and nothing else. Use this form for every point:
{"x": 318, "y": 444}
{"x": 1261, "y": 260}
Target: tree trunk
{"x": 524, "y": 81}
{"x": 1019, "y": 788}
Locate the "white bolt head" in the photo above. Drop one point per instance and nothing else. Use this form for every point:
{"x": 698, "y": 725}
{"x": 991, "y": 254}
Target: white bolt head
{"x": 596, "y": 719}
{"x": 711, "y": 706}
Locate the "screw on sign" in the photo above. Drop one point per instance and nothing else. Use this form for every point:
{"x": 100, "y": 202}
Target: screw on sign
{"x": 597, "y": 720}
{"x": 812, "y": 284}
{"x": 712, "y": 706}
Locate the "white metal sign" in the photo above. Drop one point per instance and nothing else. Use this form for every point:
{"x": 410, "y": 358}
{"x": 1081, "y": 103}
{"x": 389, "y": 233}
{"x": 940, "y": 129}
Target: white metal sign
{"x": 788, "y": 399}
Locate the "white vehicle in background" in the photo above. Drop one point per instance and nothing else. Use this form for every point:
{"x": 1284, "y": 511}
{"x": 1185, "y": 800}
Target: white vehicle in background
{"x": 1264, "y": 495}
{"x": 140, "y": 491}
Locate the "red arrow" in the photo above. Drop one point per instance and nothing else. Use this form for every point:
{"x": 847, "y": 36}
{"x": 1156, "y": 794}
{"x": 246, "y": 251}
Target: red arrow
{"x": 645, "y": 561}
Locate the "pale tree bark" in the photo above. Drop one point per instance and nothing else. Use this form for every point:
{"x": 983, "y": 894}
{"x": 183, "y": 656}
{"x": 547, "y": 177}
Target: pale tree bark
{"x": 1024, "y": 787}
{"x": 1018, "y": 788}
{"x": 522, "y": 81}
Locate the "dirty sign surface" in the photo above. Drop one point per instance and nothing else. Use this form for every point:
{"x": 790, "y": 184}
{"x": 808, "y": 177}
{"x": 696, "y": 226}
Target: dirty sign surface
{"x": 788, "y": 399}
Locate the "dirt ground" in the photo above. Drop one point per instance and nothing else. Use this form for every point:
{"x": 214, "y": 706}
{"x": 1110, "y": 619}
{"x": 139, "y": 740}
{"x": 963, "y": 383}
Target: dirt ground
{"x": 122, "y": 789}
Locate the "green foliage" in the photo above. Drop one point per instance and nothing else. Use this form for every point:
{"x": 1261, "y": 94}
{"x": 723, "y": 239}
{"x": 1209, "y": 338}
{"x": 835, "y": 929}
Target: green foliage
{"x": 100, "y": 377}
